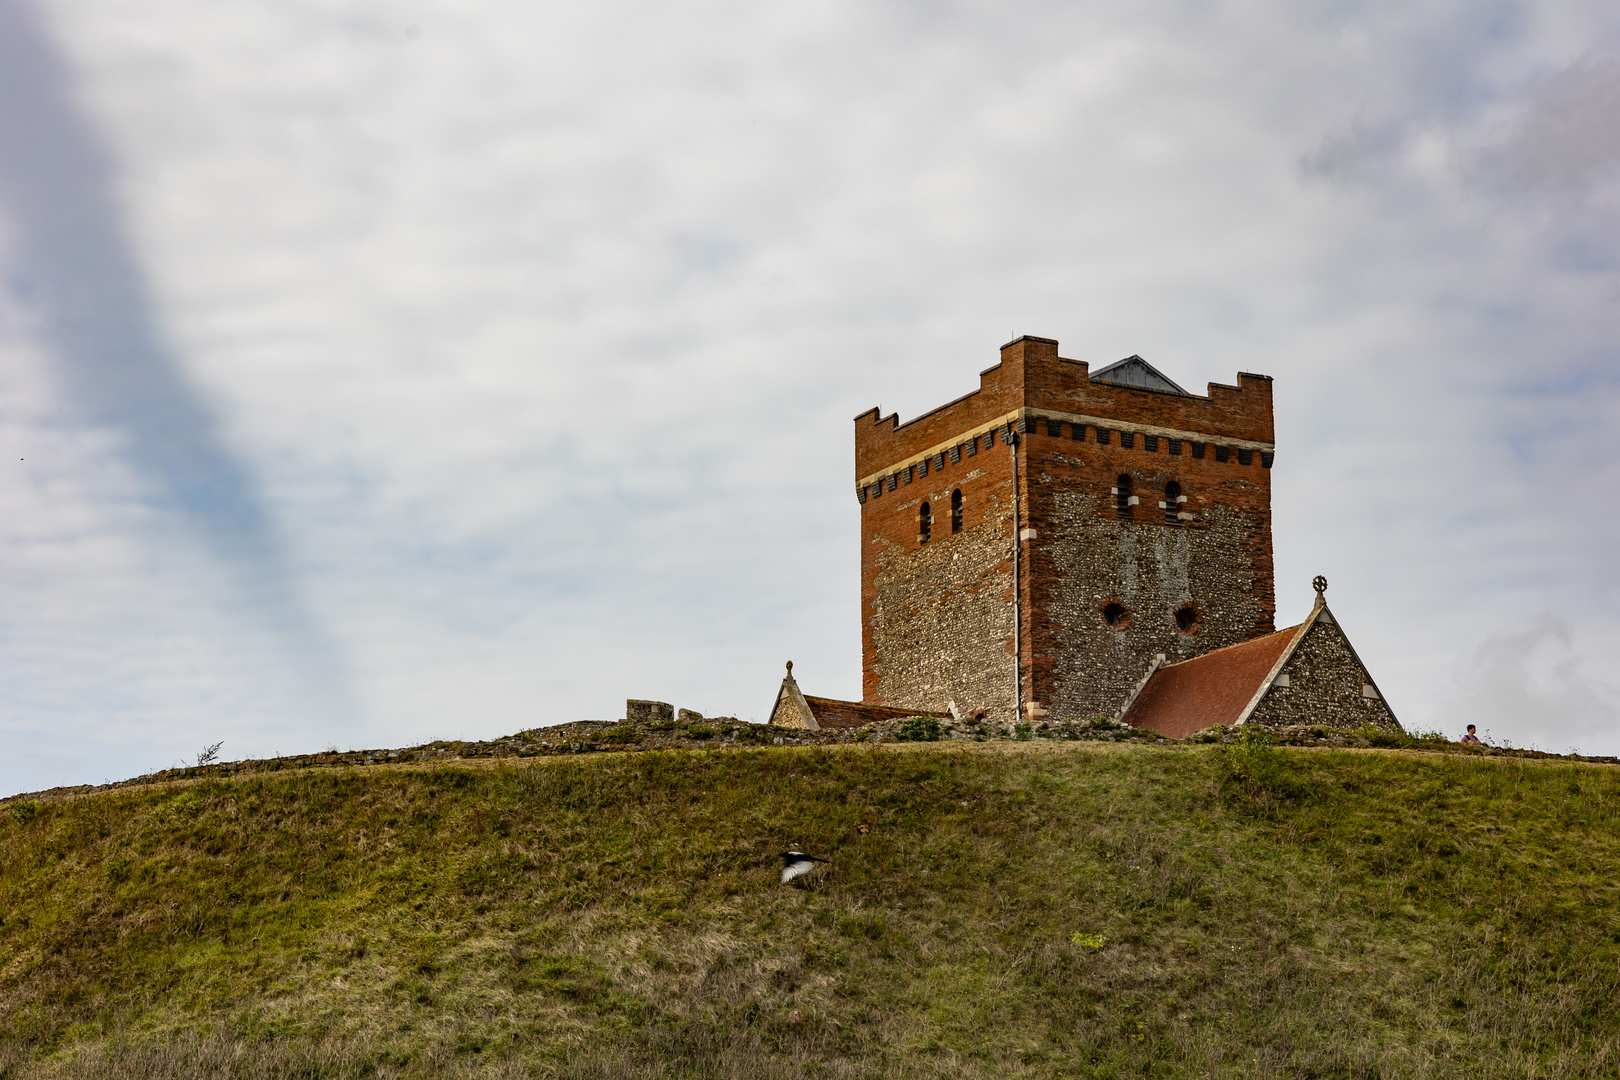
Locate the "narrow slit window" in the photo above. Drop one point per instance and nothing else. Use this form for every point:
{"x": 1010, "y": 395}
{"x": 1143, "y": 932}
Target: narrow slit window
{"x": 1123, "y": 497}
{"x": 925, "y": 523}
{"x": 1172, "y": 503}
{"x": 956, "y": 510}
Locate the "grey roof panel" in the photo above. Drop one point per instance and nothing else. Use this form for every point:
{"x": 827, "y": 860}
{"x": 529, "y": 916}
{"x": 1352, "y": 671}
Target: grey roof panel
{"x": 1137, "y": 372}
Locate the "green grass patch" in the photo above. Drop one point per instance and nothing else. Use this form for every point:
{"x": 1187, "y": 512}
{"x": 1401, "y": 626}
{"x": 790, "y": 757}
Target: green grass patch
{"x": 990, "y": 910}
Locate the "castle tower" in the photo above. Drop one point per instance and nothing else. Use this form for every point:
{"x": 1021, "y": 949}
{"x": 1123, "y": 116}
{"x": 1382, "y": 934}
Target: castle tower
{"x": 1030, "y": 548}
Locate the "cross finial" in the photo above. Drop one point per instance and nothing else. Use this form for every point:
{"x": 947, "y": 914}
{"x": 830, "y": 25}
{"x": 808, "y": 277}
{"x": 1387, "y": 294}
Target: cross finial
{"x": 1319, "y": 583}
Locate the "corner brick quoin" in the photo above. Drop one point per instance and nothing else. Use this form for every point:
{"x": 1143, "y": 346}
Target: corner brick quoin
{"x": 1030, "y": 550}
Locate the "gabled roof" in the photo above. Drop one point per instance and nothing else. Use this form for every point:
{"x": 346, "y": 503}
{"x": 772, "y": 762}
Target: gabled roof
{"x": 834, "y": 714}
{"x": 793, "y": 708}
{"x": 1219, "y": 687}
{"x": 1137, "y": 372}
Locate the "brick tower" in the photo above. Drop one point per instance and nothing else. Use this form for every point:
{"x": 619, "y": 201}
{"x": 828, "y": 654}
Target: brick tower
{"x": 1040, "y": 540}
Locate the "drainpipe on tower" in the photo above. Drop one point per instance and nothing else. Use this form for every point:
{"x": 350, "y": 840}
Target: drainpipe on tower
{"x": 1018, "y": 618}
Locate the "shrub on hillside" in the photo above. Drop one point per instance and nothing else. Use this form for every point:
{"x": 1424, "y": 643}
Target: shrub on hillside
{"x": 1253, "y": 761}
{"x": 919, "y": 729}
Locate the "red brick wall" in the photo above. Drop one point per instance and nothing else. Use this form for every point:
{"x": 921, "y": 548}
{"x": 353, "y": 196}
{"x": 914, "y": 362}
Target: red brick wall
{"x": 936, "y": 617}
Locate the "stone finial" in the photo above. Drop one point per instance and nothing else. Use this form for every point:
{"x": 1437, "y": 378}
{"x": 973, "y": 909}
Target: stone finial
{"x": 790, "y": 669}
{"x": 1319, "y": 583}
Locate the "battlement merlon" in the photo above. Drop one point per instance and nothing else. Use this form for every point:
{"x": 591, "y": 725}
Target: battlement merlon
{"x": 1032, "y": 379}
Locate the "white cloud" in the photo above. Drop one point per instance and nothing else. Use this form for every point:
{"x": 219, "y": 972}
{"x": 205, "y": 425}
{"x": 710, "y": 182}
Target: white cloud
{"x": 540, "y": 333}
{"x": 1530, "y": 688}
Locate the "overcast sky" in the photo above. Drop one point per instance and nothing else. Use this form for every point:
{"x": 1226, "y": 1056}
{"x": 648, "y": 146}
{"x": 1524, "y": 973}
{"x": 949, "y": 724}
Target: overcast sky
{"x": 375, "y": 372}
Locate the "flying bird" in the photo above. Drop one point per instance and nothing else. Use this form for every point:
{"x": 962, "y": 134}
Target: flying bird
{"x": 797, "y": 863}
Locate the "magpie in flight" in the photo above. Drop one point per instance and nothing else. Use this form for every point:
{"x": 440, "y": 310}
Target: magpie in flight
{"x": 796, "y": 863}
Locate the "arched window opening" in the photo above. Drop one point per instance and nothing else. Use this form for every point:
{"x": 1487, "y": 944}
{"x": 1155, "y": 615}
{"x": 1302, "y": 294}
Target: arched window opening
{"x": 956, "y": 510}
{"x": 1172, "y": 503}
{"x": 925, "y": 523}
{"x": 1123, "y": 499}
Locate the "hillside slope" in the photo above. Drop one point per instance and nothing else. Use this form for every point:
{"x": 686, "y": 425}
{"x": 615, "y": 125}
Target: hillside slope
{"x": 990, "y": 910}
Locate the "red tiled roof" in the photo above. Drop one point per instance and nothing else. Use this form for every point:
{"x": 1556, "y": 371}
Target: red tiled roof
{"x": 1210, "y": 689}
{"x": 834, "y": 714}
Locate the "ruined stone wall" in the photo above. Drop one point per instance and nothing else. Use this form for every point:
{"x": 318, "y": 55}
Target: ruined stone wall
{"x": 1327, "y": 687}
{"x": 938, "y": 616}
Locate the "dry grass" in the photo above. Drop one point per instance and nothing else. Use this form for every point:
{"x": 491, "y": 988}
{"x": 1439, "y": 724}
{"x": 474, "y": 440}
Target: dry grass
{"x": 1013, "y": 910}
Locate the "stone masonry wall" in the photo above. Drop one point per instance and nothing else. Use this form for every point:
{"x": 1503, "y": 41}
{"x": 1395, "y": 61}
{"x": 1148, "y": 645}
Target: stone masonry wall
{"x": 1210, "y": 554}
{"x": 1324, "y": 688}
{"x": 1152, "y": 571}
{"x": 938, "y": 623}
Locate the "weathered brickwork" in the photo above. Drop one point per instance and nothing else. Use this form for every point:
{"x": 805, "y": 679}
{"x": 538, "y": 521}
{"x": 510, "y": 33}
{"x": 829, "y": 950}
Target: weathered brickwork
{"x": 1036, "y": 453}
{"x": 1327, "y": 687}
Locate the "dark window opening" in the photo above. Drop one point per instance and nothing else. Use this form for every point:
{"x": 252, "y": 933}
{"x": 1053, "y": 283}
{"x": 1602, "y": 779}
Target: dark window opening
{"x": 1122, "y": 497}
{"x": 1175, "y": 446}
{"x": 1187, "y": 619}
{"x": 925, "y": 523}
{"x": 1102, "y": 436}
{"x": 1172, "y": 503}
{"x": 1054, "y": 427}
{"x": 1116, "y": 615}
{"x": 1079, "y": 431}
{"x": 1127, "y": 439}
{"x": 956, "y": 510}
{"x": 1245, "y": 457}
{"x": 1222, "y": 453}
{"x": 1151, "y": 443}
{"x": 1198, "y": 449}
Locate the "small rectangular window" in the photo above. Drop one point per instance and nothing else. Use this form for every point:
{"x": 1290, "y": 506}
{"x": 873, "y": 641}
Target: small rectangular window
{"x": 894, "y": 482}
{"x": 1222, "y": 453}
{"x": 939, "y": 462}
{"x": 956, "y": 454}
{"x": 877, "y": 489}
{"x": 1054, "y": 428}
{"x": 1151, "y": 442}
{"x": 972, "y": 447}
{"x": 1102, "y": 436}
{"x": 1079, "y": 431}
{"x": 922, "y": 468}
{"x": 1027, "y": 425}
{"x": 905, "y": 475}
{"x": 1245, "y": 456}
{"x": 1198, "y": 449}
{"x": 1175, "y": 447}
{"x": 861, "y": 495}
{"x": 1127, "y": 439}
{"x": 1266, "y": 458}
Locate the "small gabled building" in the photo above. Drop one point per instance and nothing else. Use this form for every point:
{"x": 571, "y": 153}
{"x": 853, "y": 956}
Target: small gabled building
{"x": 795, "y": 709}
{"x": 1305, "y": 675}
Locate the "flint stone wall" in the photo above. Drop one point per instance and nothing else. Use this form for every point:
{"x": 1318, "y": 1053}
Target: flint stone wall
{"x": 1325, "y": 681}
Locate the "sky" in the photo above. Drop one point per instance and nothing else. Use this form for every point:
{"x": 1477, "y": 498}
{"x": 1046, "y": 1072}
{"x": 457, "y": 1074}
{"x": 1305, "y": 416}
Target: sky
{"x": 378, "y": 372}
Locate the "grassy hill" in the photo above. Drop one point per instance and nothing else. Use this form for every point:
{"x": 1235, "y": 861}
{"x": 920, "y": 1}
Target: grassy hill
{"x": 999, "y": 909}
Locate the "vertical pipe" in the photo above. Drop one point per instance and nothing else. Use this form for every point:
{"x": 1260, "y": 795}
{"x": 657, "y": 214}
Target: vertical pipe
{"x": 1018, "y": 588}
